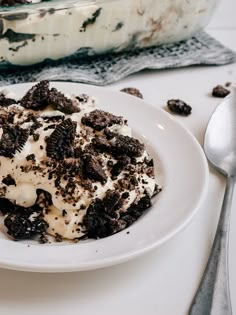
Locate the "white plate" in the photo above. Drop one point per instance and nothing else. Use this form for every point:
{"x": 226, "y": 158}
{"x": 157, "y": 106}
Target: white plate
{"x": 181, "y": 169}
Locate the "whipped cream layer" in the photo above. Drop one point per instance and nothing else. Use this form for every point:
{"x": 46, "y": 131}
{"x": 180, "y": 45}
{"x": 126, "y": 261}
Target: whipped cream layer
{"x": 100, "y": 160}
{"x": 96, "y": 27}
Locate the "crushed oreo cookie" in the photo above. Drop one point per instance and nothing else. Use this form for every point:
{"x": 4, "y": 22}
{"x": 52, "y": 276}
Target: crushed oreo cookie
{"x": 37, "y": 97}
{"x": 118, "y": 167}
{"x": 24, "y": 225}
{"x": 60, "y": 142}
{"x": 99, "y": 119}
{"x": 132, "y": 91}
{"x": 13, "y": 139}
{"x": 60, "y": 102}
{"x": 5, "y": 102}
{"x": 101, "y": 220}
{"x": 179, "y": 107}
{"x": 220, "y": 91}
{"x": 9, "y": 180}
{"x": 127, "y": 145}
{"x": 40, "y": 96}
{"x": 6, "y": 206}
{"x": 93, "y": 169}
{"x": 98, "y": 222}
{"x": 134, "y": 212}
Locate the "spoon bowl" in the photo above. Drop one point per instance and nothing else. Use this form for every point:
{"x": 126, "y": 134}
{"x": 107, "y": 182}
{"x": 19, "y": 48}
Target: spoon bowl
{"x": 220, "y": 136}
{"x": 213, "y": 296}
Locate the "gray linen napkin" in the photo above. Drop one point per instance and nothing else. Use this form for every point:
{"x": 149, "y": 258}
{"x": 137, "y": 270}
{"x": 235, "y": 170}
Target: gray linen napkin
{"x": 201, "y": 49}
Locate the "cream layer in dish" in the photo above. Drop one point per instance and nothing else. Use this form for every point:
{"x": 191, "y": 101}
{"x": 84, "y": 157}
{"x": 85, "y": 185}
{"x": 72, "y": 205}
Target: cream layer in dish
{"x": 30, "y": 35}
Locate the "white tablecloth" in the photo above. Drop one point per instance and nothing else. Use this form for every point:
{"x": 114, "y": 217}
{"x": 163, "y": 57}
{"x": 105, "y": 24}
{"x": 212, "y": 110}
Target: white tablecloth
{"x": 164, "y": 281}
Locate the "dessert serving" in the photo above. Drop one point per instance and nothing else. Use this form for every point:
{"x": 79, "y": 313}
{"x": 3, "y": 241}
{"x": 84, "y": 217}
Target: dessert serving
{"x": 32, "y": 31}
{"x": 8, "y": 3}
{"x": 69, "y": 169}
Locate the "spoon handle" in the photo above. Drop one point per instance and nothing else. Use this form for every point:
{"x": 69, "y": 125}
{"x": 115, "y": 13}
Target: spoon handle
{"x": 213, "y": 297}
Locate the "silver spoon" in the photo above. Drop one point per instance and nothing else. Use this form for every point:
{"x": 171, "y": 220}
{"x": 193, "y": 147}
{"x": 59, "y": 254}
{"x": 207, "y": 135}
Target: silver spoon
{"x": 213, "y": 297}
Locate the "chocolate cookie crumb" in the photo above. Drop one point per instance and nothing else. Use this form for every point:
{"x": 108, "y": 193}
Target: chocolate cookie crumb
{"x": 179, "y": 107}
{"x": 37, "y": 97}
{"x": 13, "y": 139}
{"x": 5, "y": 102}
{"x": 58, "y": 238}
{"x": 111, "y": 200}
{"x": 129, "y": 146}
{"x": 24, "y": 223}
{"x": 30, "y": 157}
{"x": 9, "y": 180}
{"x": 43, "y": 238}
{"x": 60, "y": 142}
{"x": 93, "y": 169}
{"x": 6, "y": 206}
{"x": 132, "y": 91}
{"x": 99, "y": 119}
{"x": 220, "y": 91}
{"x": 62, "y": 103}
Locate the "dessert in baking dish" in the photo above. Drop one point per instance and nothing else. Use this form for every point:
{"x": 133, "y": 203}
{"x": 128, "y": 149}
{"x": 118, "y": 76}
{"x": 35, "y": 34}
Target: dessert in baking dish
{"x": 33, "y": 33}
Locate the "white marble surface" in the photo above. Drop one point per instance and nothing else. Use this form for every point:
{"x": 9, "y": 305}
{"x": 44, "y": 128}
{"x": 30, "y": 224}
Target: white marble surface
{"x": 164, "y": 281}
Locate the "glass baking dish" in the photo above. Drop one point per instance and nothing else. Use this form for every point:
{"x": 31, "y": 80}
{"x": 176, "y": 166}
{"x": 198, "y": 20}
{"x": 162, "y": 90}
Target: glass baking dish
{"x": 32, "y": 33}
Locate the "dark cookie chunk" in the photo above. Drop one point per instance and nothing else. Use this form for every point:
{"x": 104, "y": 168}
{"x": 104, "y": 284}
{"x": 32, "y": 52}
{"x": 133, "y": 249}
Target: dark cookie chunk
{"x": 53, "y": 119}
{"x": 99, "y": 119}
{"x": 58, "y": 238}
{"x": 220, "y": 91}
{"x": 125, "y": 195}
{"x": 99, "y": 223}
{"x": 60, "y": 102}
{"x": 6, "y": 206}
{"x": 110, "y": 201}
{"x": 4, "y": 102}
{"x": 120, "y": 165}
{"x": 136, "y": 210}
{"x": 82, "y": 98}
{"x": 132, "y": 91}
{"x": 128, "y": 146}
{"x": 30, "y": 157}
{"x": 44, "y": 198}
{"x": 179, "y": 107}
{"x": 60, "y": 143}
{"x": 9, "y": 180}
{"x": 109, "y": 134}
{"x": 25, "y": 224}
{"x": 102, "y": 144}
{"x": 35, "y": 137}
{"x": 13, "y": 139}
{"x": 127, "y": 183}
{"x": 91, "y": 20}
{"x": 93, "y": 169}
{"x": 43, "y": 239}
{"x": 37, "y": 97}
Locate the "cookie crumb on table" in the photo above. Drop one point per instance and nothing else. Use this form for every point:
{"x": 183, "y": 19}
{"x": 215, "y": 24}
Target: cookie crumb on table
{"x": 220, "y": 91}
{"x": 179, "y": 107}
{"x": 132, "y": 91}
